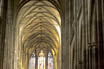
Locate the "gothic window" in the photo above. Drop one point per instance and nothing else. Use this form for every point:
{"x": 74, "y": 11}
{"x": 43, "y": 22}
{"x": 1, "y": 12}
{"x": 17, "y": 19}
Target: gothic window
{"x": 50, "y": 61}
{"x": 32, "y": 62}
{"x": 41, "y": 60}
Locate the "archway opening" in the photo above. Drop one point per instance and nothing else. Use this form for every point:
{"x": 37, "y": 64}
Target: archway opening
{"x": 38, "y": 30}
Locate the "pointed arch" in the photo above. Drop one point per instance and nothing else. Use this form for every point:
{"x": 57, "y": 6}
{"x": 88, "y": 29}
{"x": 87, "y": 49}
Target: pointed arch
{"x": 38, "y": 27}
{"x": 32, "y": 61}
{"x": 41, "y": 60}
{"x": 50, "y": 61}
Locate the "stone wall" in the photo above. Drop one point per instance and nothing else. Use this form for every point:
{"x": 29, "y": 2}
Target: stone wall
{"x": 82, "y": 34}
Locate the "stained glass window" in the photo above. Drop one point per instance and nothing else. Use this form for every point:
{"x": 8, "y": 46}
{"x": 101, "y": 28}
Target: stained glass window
{"x": 50, "y": 61}
{"x": 41, "y": 60}
{"x": 32, "y": 62}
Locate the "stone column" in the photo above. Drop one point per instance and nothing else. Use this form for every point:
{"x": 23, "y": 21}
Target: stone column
{"x": 46, "y": 62}
{"x": 65, "y": 36}
{"x": 36, "y": 60}
{"x": 27, "y": 60}
{"x": 100, "y": 46}
{"x": 3, "y": 12}
{"x": 9, "y": 44}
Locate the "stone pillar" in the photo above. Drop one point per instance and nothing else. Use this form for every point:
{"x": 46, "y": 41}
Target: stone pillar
{"x": 92, "y": 43}
{"x": 3, "y": 12}
{"x": 9, "y": 44}
{"x": 36, "y": 57}
{"x": 46, "y": 61}
{"x": 100, "y": 47}
{"x": 27, "y": 61}
{"x": 65, "y": 36}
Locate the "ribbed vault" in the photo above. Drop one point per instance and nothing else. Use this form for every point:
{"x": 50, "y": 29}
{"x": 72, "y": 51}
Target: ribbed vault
{"x": 39, "y": 25}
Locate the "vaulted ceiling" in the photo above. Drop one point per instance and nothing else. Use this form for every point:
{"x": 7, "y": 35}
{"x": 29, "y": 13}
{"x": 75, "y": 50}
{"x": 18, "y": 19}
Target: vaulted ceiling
{"x": 39, "y": 25}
